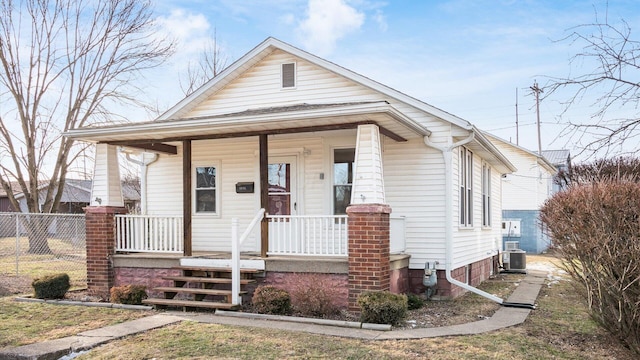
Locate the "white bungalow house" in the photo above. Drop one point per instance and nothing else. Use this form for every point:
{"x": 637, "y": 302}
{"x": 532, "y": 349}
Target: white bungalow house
{"x": 320, "y": 148}
{"x": 523, "y": 194}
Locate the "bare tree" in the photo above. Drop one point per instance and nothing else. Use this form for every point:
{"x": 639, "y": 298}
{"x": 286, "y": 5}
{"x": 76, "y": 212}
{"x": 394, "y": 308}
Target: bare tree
{"x": 63, "y": 65}
{"x": 609, "y": 84}
{"x": 210, "y": 63}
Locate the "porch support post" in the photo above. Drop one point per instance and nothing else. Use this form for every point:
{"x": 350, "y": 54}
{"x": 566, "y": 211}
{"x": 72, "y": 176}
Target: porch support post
{"x": 368, "y": 220}
{"x": 100, "y": 241}
{"x": 264, "y": 194}
{"x": 186, "y": 196}
{"x": 368, "y": 250}
{"x": 106, "y": 189}
{"x": 106, "y": 201}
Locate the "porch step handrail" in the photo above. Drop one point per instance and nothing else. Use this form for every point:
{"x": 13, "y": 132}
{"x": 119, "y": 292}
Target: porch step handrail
{"x": 235, "y": 254}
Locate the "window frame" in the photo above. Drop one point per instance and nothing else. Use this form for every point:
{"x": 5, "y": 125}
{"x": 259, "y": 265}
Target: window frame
{"x": 465, "y": 184}
{"x": 486, "y": 195}
{"x": 333, "y": 174}
{"x": 195, "y": 188}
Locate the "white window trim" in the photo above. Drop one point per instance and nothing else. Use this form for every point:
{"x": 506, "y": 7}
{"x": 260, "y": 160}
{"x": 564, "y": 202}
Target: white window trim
{"x": 194, "y": 179}
{"x": 465, "y": 179}
{"x": 486, "y": 194}
{"x": 332, "y": 174}
{"x": 295, "y": 76}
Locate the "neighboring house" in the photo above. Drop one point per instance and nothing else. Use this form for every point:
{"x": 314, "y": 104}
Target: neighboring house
{"x": 75, "y": 197}
{"x": 523, "y": 194}
{"x": 318, "y": 146}
{"x": 561, "y": 159}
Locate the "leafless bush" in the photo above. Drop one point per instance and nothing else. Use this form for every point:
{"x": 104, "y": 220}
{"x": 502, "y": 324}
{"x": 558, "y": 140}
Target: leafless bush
{"x": 313, "y": 295}
{"x": 596, "y": 229}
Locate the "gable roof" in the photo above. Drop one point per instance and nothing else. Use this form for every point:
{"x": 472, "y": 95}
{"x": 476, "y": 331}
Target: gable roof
{"x": 271, "y": 44}
{"x": 541, "y": 159}
{"x": 175, "y": 125}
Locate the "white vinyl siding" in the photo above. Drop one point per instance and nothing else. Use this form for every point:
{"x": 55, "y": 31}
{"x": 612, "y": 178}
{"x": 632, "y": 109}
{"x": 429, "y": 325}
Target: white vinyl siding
{"x": 530, "y": 185}
{"x": 477, "y": 243}
{"x": 415, "y": 187}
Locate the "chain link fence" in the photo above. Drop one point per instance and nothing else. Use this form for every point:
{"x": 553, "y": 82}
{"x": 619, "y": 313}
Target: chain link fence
{"x": 34, "y": 245}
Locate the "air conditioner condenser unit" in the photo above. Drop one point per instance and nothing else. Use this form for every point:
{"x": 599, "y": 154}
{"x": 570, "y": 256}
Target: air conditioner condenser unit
{"x": 514, "y": 261}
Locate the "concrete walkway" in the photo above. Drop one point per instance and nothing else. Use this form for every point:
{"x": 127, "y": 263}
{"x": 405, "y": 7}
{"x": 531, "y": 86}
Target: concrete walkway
{"x": 526, "y": 292}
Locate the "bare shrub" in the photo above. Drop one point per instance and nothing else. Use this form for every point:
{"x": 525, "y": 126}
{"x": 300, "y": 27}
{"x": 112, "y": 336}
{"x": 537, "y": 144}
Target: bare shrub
{"x": 596, "y": 230}
{"x": 313, "y": 295}
{"x": 269, "y": 299}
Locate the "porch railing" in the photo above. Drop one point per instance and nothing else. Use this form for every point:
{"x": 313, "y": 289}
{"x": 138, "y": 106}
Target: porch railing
{"x": 322, "y": 235}
{"x": 149, "y": 233}
{"x": 397, "y": 242}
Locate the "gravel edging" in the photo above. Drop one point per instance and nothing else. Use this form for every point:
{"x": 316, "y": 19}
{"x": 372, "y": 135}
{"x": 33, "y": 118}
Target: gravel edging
{"x": 85, "y": 303}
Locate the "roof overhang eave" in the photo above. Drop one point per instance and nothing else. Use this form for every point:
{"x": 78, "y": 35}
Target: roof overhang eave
{"x": 229, "y": 122}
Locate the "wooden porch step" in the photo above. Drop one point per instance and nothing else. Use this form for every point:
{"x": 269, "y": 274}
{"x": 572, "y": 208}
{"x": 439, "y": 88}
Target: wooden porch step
{"x": 216, "y": 269}
{"x": 208, "y": 280}
{"x": 191, "y": 303}
{"x": 168, "y": 289}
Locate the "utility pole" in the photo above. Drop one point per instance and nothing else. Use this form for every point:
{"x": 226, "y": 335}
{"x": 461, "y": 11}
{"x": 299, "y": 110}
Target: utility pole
{"x": 537, "y": 90}
{"x": 517, "y": 128}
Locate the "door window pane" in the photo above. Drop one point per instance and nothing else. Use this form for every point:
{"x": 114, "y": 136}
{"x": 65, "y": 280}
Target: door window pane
{"x": 279, "y": 189}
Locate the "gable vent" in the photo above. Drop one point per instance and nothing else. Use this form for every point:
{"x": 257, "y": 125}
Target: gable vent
{"x": 288, "y": 75}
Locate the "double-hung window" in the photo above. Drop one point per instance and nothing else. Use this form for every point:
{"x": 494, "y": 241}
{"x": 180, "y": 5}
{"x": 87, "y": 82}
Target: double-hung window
{"x": 486, "y": 195}
{"x": 206, "y": 190}
{"x": 465, "y": 180}
{"x": 343, "y": 161}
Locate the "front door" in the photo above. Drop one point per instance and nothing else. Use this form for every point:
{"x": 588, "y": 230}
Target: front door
{"x": 282, "y": 185}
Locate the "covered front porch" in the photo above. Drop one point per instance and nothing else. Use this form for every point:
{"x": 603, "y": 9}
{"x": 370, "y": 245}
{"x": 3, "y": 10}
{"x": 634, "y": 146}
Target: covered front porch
{"x": 275, "y": 218}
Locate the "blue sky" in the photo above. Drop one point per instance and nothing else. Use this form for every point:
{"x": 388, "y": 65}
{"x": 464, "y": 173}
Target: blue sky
{"x": 465, "y": 57}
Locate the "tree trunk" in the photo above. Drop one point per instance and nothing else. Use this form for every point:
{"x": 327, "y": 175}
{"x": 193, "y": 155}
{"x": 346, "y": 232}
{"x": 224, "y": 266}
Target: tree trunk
{"x": 38, "y": 233}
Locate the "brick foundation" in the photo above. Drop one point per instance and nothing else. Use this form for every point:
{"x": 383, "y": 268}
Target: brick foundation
{"x": 477, "y": 272}
{"x": 149, "y": 277}
{"x": 336, "y": 282}
{"x": 100, "y": 237}
{"x": 368, "y": 250}
{"x": 399, "y": 281}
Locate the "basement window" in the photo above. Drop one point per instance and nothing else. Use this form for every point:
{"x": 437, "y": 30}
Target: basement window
{"x": 289, "y": 75}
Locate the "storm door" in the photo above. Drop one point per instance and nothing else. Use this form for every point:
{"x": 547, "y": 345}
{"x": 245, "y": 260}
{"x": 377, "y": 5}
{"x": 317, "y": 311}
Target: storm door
{"x": 282, "y": 186}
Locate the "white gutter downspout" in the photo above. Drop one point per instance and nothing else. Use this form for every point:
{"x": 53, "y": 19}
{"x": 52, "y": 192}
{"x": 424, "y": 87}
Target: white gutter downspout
{"x": 143, "y": 177}
{"x": 448, "y": 204}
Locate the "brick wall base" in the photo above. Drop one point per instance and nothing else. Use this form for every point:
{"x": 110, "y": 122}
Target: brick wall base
{"x": 399, "y": 281}
{"x": 477, "y": 272}
{"x": 148, "y": 277}
{"x": 337, "y": 283}
{"x": 368, "y": 250}
{"x": 100, "y": 239}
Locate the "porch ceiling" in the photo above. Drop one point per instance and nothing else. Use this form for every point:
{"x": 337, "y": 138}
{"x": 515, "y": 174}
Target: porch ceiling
{"x": 274, "y": 120}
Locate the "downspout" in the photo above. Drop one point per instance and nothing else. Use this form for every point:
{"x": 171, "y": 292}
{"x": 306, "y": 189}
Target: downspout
{"x": 447, "y": 152}
{"x": 143, "y": 177}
